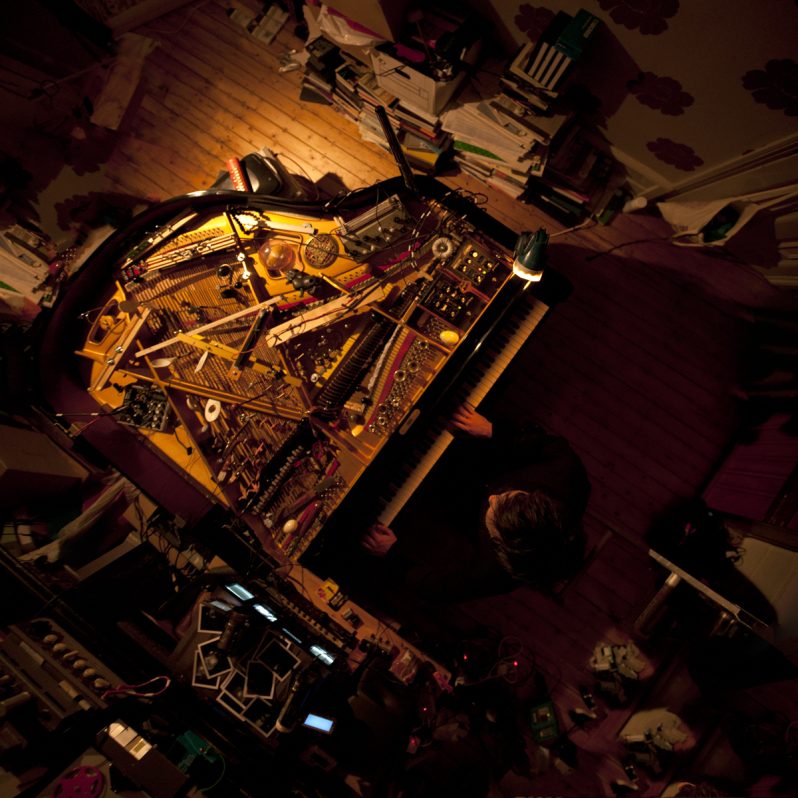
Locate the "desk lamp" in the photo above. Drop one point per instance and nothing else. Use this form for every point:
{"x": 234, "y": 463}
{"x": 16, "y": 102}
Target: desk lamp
{"x": 530, "y": 254}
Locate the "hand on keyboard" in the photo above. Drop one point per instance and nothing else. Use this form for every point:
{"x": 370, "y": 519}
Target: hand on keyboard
{"x": 378, "y": 540}
{"x": 468, "y": 420}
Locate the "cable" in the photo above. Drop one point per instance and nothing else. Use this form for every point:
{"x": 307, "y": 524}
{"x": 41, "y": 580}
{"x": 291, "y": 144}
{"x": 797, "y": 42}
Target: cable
{"x": 304, "y": 173}
{"x": 587, "y": 222}
{"x": 135, "y": 691}
{"x": 96, "y": 413}
{"x": 221, "y": 775}
{"x": 188, "y": 448}
{"x": 301, "y": 581}
{"x": 627, "y": 244}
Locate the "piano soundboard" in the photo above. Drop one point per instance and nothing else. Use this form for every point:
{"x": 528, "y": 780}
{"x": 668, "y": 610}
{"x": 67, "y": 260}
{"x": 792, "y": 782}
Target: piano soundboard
{"x": 271, "y": 350}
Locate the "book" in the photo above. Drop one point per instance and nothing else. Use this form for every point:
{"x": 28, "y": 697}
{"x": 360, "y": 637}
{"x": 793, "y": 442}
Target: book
{"x": 609, "y": 205}
{"x": 318, "y": 81}
{"x": 311, "y": 94}
{"x": 474, "y": 149}
{"x": 576, "y": 33}
{"x": 520, "y": 120}
{"x": 410, "y": 139}
{"x": 537, "y": 101}
{"x": 416, "y": 121}
{"x": 431, "y": 120}
{"x": 576, "y": 197}
{"x": 536, "y": 58}
{"x": 347, "y": 77}
{"x": 536, "y": 76}
{"x": 511, "y": 189}
{"x": 372, "y": 92}
{"x": 548, "y": 127}
{"x": 506, "y": 125}
{"x": 558, "y": 207}
{"x": 545, "y": 45}
{"x": 556, "y": 77}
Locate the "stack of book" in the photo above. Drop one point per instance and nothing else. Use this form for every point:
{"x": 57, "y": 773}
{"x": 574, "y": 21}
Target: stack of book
{"x": 421, "y": 137}
{"x": 540, "y": 68}
{"x": 491, "y": 143}
{"x": 582, "y": 179}
{"x": 23, "y": 273}
{"x": 345, "y": 95}
{"x": 351, "y": 87}
{"x": 318, "y": 81}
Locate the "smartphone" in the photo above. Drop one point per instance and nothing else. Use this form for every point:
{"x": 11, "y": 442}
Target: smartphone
{"x": 318, "y": 723}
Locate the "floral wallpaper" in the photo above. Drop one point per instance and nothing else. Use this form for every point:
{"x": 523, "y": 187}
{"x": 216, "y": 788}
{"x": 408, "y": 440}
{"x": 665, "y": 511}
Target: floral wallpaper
{"x": 661, "y": 93}
{"x": 775, "y": 86}
{"x": 649, "y": 17}
{"x": 681, "y": 86}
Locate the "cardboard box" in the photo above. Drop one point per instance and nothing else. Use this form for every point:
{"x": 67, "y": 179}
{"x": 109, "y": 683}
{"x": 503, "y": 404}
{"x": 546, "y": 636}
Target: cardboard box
{"x": 426, "y": 67}
{"x": 32, "y": 467}
{"x": 387, "y": 18}
{"x": 414, "y": 87}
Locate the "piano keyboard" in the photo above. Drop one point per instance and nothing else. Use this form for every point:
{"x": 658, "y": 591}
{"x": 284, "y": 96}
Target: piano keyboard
{"x": 475, "y": 394}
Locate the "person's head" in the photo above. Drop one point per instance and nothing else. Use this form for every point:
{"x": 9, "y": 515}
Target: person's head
{"x": 534, "y": 537}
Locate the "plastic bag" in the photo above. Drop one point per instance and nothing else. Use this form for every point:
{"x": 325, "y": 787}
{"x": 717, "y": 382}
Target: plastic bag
{"x": 338, "y": 30}
{"x": 711, "y": 223}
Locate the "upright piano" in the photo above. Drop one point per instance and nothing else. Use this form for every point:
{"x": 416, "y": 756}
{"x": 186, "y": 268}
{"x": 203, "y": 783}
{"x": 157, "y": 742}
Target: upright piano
{"x": 272, "y": 356}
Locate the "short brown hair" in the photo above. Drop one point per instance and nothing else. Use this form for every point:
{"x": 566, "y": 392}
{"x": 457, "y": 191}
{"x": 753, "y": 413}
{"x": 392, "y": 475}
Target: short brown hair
{"x": 537, "y": 541}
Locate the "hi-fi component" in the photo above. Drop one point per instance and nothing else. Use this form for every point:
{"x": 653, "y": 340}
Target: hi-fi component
{"x": 485, "y": 272}
{"x": 145, "y": 406}
{"x": 452, "y": 302}
{"x": 376, "y": 229}
{"x": 58, "y": 675}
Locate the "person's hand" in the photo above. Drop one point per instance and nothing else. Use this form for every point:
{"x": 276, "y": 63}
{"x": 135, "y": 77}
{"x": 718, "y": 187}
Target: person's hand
{"x": 468, "y": 420}
{"x": 378, "y": 540}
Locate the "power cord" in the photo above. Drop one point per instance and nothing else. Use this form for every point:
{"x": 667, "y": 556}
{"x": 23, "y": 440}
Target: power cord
{"x": 136, "y": 691}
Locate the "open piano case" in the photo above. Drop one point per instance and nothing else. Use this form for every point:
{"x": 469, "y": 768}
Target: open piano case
{"x": 276, "y": 355}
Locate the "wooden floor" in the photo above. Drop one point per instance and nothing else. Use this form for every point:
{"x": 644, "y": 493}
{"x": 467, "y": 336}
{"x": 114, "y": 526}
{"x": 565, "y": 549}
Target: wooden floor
{"x": 637, "y": 368}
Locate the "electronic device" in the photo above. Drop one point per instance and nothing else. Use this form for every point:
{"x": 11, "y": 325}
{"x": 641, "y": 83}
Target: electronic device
{"x": 43, "y": 666}
{"x": 318, "y": 723}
